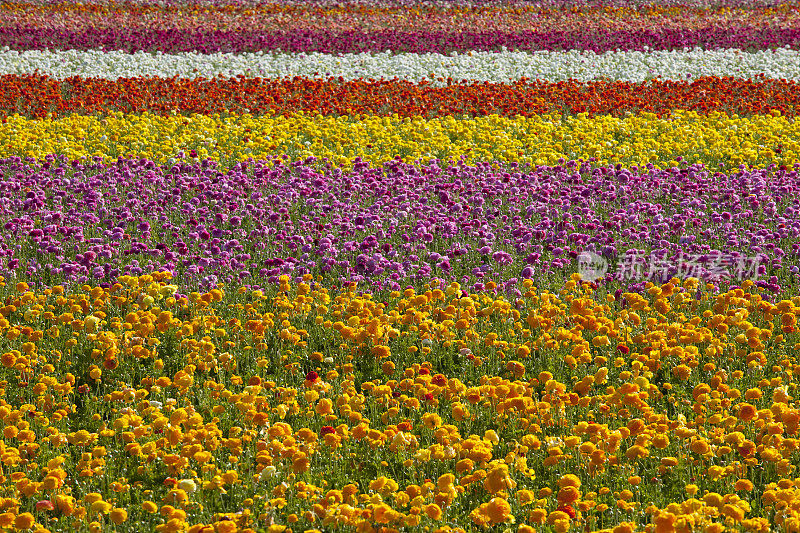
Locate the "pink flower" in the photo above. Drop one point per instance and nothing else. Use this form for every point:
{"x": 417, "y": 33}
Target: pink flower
{"x": 44, "y": 505}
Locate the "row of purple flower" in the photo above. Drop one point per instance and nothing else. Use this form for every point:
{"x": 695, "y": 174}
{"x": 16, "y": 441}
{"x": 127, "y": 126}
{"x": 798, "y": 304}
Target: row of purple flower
{"x": 388, "y": 226}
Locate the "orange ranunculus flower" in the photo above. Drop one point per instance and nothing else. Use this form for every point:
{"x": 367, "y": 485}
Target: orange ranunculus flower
{"x": 664, "y": 522}
{"x": 700, "y": 446}
{"x": 324, "y": 407}
{"x": 498, "y": 479}
{"x": 636, "y": 452}
{"x": 498, "y": 510}
{"x": 6, "y": 520}
{"x": 433, "y": 511}
{"x": 661, "y": 441}
{"x": 569, "y": 480}
{"x": 64, "y": 504}
{"x": 624, "y": 527}
{"x": 227, "y": 526}
{"x": 747, "y": 412}
{"x": 118, "y": 515}
{"x": 538, "y": 516}
{"x": 682, "y": 372}
{"x": 568, "y": 495}
{"x": 733, "y": 512}
{"x": 24, "y": 521}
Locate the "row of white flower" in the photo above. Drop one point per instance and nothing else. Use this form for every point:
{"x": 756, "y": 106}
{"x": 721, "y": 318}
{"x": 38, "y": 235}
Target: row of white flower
{"x": 499, "y": 67}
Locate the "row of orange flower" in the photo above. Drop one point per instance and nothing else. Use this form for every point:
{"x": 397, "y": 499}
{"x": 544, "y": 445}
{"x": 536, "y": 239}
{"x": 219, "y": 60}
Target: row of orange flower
{"x": 39, "y": 96}
{"x": 140, "y": 406}
{"x": 507, "y": 16}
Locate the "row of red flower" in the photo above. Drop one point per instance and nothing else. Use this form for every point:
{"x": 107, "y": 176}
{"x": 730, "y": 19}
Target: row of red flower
{"x": 39, "y": 96}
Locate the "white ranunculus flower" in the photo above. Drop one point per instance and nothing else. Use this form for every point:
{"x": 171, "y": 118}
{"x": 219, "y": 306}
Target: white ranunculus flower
{"x": 267, "y": 473}
{"x": 187, "y": 485}
{"x": 500, "y": 67}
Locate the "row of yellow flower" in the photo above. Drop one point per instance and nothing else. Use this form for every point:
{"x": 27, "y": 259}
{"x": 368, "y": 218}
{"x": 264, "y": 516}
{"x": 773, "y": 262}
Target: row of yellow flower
{"x": 637, "y": 139}
{"x": 302, "y": 409}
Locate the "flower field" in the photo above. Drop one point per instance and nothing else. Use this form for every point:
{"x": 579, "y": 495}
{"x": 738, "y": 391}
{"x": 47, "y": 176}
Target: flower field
{"x": 386, "y": 266}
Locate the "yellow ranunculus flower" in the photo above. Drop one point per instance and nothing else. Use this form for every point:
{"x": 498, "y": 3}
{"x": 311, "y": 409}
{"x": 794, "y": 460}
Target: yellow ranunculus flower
{"x": 543, "y": 139}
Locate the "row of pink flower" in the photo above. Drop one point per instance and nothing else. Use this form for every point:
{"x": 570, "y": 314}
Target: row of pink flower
{"x": 396, "y": 26}
{"x": 171, "y": 41}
